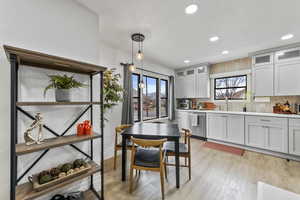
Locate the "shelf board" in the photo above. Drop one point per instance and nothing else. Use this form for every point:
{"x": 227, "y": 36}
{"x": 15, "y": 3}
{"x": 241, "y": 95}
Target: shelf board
{"x": 25, "y": 191}
{"x": 45, "y": 61}
{"x": 22, "y": 148}
{"x": 41, "y": 103}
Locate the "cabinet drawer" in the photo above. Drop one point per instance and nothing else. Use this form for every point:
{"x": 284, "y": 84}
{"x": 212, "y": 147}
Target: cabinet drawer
{"x": 294, "y": 122}
{"x": 267, "y": 120}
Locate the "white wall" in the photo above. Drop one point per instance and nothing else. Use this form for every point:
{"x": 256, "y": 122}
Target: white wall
{"x": 111, "y": 58}
{"x": 58, "y": 27}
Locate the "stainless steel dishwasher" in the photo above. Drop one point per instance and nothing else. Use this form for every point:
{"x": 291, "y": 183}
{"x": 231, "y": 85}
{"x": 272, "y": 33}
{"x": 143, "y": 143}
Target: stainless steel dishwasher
{"x": 198, "y": 124}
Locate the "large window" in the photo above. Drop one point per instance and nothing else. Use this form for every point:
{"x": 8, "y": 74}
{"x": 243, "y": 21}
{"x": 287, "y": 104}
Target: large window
{"x": 234, "y": 87}
{"x": 154, "y": 100}
{"x": 136, "y": 97}
{"x": 163, "y": 98}
{"x": 150, "y": 109}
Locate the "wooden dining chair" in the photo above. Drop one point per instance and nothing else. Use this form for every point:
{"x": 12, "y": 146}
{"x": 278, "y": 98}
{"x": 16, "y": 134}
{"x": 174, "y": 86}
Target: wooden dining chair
{"x": 118, "y": 145}
{"x": 184, "y": 151}
{"x": 147, "y": 155}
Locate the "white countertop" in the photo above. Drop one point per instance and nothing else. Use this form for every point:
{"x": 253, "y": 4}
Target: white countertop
{"x": 244, "y": 113}
{"x": 269, "y": 192}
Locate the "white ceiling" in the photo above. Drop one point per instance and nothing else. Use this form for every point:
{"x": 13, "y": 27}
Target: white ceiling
{"x": 172, "y": 36}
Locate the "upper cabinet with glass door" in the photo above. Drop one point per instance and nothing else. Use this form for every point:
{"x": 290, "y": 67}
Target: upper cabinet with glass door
{"x": 264, "y": 59}
{"x": 287, "y": 55}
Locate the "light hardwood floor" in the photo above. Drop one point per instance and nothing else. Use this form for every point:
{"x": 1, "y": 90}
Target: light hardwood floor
{"x": 215, "y": 176}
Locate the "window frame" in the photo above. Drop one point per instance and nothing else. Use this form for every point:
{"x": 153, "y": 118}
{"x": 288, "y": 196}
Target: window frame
{"x": 156, "y": 98}
{"x": 138, "y": 96}
{"x": 165, "y": 98}
{"x": 227, "y": 87}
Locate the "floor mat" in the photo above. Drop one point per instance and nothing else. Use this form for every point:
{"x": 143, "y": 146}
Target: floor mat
{"x": 225, "y": 148}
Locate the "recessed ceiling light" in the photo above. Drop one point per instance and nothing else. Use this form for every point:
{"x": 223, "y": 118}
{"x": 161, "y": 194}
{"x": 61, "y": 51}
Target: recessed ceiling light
{"x": 287, "y": 37}
{"x": 214, "y": 39}
{"x": 187, "y": 61}
{"x": 225, "y": 52}
{"x": 191, "y": 9}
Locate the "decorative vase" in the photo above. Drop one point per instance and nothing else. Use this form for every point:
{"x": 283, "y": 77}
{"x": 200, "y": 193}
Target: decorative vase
{"x": 62, "y": 95}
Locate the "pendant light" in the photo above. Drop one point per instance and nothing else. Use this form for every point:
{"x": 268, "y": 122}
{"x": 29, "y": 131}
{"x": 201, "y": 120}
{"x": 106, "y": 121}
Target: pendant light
{"x": 140, "y": 55}
{"x": 131, "y": 66}
{"x": 139, "y": 38}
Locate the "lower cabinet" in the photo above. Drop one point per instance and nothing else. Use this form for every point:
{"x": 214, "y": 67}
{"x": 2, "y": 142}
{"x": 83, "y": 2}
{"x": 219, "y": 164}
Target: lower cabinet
{"x": 216, "y": 126}
{"x": 225, "y": 127}
{"x": 182, "y": 118}
{"x": 235, "y": 129}
{"x": 267, "y": 133}
{"x": 294, "y": 137}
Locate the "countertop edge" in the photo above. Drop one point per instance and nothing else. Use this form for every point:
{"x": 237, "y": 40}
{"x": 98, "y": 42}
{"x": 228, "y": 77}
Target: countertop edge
{"x": 293, "y": 116}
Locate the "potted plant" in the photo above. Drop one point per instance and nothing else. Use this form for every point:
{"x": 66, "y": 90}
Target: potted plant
{"x": 62, "y": 85}
{"x": 112, "y": 89}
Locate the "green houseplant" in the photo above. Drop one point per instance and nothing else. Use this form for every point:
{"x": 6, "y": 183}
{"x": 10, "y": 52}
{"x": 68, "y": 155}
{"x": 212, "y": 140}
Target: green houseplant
{"x": 62, "y": 85}
{"x": 112, "y": 89}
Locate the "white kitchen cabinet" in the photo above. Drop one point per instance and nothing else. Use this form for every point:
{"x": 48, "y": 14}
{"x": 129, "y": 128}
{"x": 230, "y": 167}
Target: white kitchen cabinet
{"x": 235, "y": 129}
{"x": 287, "y": 55}
{"x": 189, "y": 83}
{"x": 263, "y": 80}
{"x": 182, "y": 118}
{"x": 226, "y": 127}
{"x": 193, "y": 83}
{"x": 267, "y": 133}
{"x": 179, "y": 84}
{"x": 287, "y": 69}
{"x": 216, "y": 126}
{"x": 287, "y": 81}
{"x": 294, "y": 137}
{"x": 263, "y": 59}
{"x": 202, "y": 83}
{"x": 255, "y": 135}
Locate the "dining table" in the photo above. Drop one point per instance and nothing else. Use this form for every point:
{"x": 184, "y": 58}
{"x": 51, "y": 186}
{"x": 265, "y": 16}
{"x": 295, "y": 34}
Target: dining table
{"x": 152, "y": 131}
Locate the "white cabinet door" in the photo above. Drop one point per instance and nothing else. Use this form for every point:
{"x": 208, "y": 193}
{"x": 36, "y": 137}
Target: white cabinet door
{"x": 255, "y": 135}
{"x": 267, "y": 132}
{"x": 202, "y": 86}
{"x": 183, "y": 120}
{"x": 294, "y": 140}
{"x": 179, "y": 84}
{"x": 216, "y": 126}
{"x": 235, "y": 129}
{"x": 263, "y": 77}
{"x": 189, "y": 84}
{"x": 287, "y": 81}
{"x": 277, "y": 139}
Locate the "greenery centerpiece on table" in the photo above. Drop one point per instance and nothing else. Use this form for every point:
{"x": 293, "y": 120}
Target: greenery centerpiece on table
{"x": 112, "y": 89}
{"x": 62, "y": 85}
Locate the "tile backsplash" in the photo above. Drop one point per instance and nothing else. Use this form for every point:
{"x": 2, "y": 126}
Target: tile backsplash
{"x": 256, "y": 106}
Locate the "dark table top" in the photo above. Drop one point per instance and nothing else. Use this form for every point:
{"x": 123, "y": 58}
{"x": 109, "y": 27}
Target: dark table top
{"x": 153, "y": 130}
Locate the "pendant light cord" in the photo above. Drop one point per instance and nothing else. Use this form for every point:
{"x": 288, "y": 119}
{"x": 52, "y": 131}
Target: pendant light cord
{"x": 131, "y": 51}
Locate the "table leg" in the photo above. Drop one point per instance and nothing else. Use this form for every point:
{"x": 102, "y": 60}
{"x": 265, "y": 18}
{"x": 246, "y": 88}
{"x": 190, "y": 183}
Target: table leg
{"x": 177, "y": 163}
{"x": 124, "y": 158}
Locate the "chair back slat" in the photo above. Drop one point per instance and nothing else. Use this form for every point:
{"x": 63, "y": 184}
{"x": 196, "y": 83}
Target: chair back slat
{"x": 148, "y": 143}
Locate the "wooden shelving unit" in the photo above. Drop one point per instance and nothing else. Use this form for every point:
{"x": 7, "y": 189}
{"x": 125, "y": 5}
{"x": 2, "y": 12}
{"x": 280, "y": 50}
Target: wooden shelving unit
{"x": 25, "y": 192}
{"x": 56, "y": 103}
{"x": 22, "y": 148}
{"x": 21, "y": 58}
